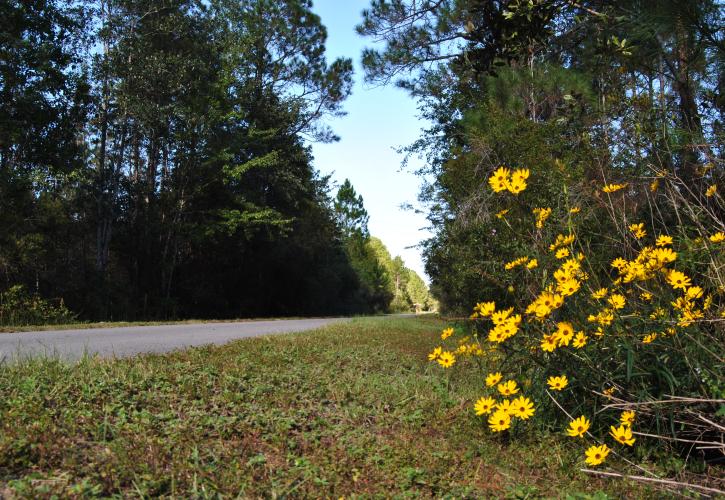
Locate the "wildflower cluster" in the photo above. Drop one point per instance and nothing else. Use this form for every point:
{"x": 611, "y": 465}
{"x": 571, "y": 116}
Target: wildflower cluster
{"x": 578, "y": 316}
{"x": 541, "y": 215}
{"x": 504, "y": 180}
{"x": 518, "y": 262}
{"x": 503, "y": 411}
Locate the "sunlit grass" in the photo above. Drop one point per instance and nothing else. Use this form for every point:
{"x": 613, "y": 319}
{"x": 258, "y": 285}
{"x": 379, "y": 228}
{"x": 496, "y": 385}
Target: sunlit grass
{"x": 351, "y": 409}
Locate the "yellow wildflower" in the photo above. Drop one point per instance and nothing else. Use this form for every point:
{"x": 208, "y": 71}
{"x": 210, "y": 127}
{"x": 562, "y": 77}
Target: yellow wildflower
{"x": 515, "y": 263}
{"x": 622, "y": 434}
{"x": 484, "y": 406}
{"x": 600, "y": 294}
{"x": 603, "y": 317}
{"x": 518, "y": 181}
{"x": 532, "y": 264}
{"x": 504, "y": 405}
{"x": 435, "y": 354}
{"x": 688, "y": 316}
{"x": 617, "y": 301}
{"x": 499, "y": 333}
{"x": 664, "y": 256}
{"x": 564, "y": 333}
{"x": 549, "y": 343}
{"x": 499, "y": 180}
{"x": 575, "y": 210}
{"x": 682, "y": 303}
{"x": 446, "y": 359}
{"x": 493, "y": 379}
{"x": 561, "y": 275}
{"x": 597, "y": 454}
{"x": 446, "y": 333}
{"x": 522, "y": 408}
{"x": 508, "y": 388}
{"x": 678, "y": 280}
{"x": 707, "y": 302}
{"x": 562, "y": 241}
{"x": 569, "y": 287}
{"x": 541, "y": 215}
{"x": 627, "y": 418}
{"x": 485, "y": 308}
{"x": 646, "y": 296}
{"x": 500, "y": 317}
{"x": 718, "y": 237}
{"x": 502, "y": 213}
{"x": 557, "y": 383}
{"x": 613, "y": 188}
{"x": 638, "y": 230}
{"x": 663, "y": 241}
{"x": 619, "y": 263}
{"x": 544, "y": 304}
{"x": 562, "y": 253}
{"x": 578, "y": 427}
{"x": 499, "y": 421}
{"x": 580, "y": 340}
{"x": 694, "y": 292}
{"x": 711, "y": 191}
{"x": 648, "y": 339}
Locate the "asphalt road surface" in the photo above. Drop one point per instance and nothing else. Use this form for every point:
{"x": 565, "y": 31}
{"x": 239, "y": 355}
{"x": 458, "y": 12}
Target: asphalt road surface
{"x": 129, "y": 341}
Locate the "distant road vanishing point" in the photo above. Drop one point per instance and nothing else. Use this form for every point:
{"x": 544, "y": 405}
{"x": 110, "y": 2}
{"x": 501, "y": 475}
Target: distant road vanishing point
{"x": 71, "y": 345}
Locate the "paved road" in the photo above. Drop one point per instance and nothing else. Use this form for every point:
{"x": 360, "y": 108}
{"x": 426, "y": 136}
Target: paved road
{"x": 129, "y": 341}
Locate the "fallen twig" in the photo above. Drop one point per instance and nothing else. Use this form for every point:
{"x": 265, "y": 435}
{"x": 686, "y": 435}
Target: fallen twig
{"x": 668, "y": 482}
{"x": 717, "y": 445}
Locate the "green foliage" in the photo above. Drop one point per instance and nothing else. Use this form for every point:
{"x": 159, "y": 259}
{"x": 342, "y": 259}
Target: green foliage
{"x": 583, "y": 94}
{"x": 350, "y": 210}
{"x": 18, "y": 308}
{"x": 386, "y": 284}
{"x": 405, "y": 286}
{"x": 165, "y": 173}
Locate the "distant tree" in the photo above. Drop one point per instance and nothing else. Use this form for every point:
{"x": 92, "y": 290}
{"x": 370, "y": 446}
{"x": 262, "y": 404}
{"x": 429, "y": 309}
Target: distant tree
{"x": 352, "y": 219}
{"x": 350, "y": 210}
{"x": 405, "y": 286}
{"x": 417, "y": 290}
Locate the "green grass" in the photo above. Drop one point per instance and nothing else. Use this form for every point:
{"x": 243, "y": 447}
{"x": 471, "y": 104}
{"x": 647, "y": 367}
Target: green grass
{"x": 349, "y": 410}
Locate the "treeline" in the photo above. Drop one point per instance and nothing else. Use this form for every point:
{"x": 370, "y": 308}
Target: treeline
{"x": 581, "y": 93}
{"x": 153, "y": 160}
{"x": 387, "y": 284}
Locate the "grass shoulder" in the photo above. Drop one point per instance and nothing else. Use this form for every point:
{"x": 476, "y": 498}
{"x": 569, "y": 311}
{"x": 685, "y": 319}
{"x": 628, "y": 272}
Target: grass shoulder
{"x": 352, "y": 409}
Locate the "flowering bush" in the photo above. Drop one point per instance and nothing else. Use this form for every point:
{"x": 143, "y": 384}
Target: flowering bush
{"x": 613, "y": 331}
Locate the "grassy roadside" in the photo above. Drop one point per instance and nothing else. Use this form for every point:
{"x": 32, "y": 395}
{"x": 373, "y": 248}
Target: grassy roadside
{"x": 350, "y": 410}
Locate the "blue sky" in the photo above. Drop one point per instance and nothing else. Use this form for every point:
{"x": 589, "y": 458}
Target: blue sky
{"x": 379, "y": 120}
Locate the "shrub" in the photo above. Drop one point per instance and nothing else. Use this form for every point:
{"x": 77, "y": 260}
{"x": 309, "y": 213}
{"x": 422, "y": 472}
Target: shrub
{"x": 18, "y": 308}
{"x": 612, "y": 327}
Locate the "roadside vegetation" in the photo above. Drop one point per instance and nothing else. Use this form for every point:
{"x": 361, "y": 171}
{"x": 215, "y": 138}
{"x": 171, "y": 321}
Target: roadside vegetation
{"x": 349, "y": 410}
{"x": 574, "y": 177}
